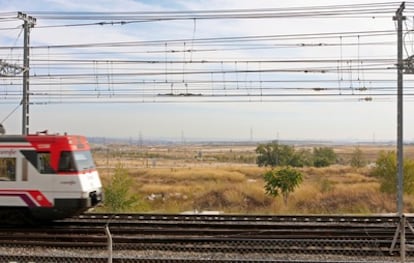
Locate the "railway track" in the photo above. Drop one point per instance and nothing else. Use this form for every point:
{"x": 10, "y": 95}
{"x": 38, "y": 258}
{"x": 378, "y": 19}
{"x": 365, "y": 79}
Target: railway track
{"x": 50, "y": 259}
{"x": 351, "y": 236}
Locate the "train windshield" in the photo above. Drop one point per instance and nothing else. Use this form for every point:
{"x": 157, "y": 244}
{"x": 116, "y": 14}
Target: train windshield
{"x": 76, "y": 161}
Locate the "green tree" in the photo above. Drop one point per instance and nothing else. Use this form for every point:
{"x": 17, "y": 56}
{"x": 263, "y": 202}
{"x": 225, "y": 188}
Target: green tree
{"x": 117, "y": 195}
{"x": 323, "y": 156}
{"x": 302, "y": 157}
{"x": 386, "y": 170}
{"x": 275, "y": 154}
{"x": 268, "y": 154}
{"x": 282, "y": 181}
{"x": 357, "y": 158}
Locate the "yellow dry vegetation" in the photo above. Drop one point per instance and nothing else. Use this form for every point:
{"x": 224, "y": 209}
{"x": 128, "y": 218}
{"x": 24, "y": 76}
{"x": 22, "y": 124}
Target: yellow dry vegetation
{"x": 182, "y": 179}
{"x": 190, "y": 174}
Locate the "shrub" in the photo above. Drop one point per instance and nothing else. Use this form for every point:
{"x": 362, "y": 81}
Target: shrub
{"x": 357, "y": 158}
{"x": 282, "y": 181}
{"x": 323, "y": 156}
{"x": 386, "y": 171}
{"x": 117, "y": 196}
{"x": 274, "y": 154}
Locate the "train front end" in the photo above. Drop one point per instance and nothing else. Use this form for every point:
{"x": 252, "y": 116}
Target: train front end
{"x": 47, "y": 176}
{"x": 76, "y": 186}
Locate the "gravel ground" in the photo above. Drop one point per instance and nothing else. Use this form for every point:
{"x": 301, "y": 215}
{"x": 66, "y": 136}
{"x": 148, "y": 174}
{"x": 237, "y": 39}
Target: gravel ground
{"x": 156, "y": 254}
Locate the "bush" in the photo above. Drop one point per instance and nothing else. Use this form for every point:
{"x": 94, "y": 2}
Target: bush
{"x": 386, "y": 171}
{"x": 117, "y": 196}
{"x": 282, "y": 181}
{"x": 357, "y": 158}
{"x": 274, "y": 154}
{"x": 323, "y": 156}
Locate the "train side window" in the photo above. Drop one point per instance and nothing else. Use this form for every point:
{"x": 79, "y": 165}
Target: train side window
{"x": 7, "y": 169}
{"x": 66, "y": 162}
{"x": 43, "y": 163}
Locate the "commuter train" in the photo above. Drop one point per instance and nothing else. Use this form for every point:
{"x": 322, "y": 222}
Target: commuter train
{"x": 46, "y": 177}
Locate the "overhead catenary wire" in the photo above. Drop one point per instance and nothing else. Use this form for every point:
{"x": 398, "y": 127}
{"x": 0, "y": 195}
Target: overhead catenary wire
{"x": 303, "y": 11}
{"x": 74, "y": 67}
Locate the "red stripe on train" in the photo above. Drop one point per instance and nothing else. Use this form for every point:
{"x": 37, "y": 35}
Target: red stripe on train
{"x": 35, "y": 195}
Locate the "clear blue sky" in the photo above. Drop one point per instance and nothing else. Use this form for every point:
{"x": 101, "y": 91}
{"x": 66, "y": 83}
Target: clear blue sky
{"x": 332, "y": 118}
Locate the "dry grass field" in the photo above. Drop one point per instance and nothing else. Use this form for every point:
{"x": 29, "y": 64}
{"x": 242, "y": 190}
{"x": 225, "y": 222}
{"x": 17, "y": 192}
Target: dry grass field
{"x": 178, "y": 178}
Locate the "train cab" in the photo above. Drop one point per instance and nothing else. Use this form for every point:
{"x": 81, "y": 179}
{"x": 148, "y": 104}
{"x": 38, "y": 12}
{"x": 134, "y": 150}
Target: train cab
{"x": 47, "y": 176}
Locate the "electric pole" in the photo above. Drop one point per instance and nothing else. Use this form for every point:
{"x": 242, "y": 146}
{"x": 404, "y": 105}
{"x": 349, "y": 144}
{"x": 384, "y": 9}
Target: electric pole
{"x": 29, "y": 22}
{"x": 399, "y": 17}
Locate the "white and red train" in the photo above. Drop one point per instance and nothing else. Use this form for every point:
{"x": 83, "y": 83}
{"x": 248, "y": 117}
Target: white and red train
{"x": 47, "y": 177}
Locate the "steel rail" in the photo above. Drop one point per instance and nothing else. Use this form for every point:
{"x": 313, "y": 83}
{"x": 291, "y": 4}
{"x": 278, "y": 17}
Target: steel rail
{"x": 391, "y": 218}
{"x": 297, "y": 234}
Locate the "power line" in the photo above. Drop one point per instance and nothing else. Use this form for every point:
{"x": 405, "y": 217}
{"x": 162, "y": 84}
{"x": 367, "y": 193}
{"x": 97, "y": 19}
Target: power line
{"x": 161, "y": 68}
{"x": 307, "y": 11}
